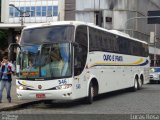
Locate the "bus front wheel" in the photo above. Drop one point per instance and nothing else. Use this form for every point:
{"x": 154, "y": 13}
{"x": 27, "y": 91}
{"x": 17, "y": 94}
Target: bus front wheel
{"x": 91, "y": 93}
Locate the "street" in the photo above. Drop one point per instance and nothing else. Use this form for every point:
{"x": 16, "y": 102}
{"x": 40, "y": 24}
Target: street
{"x": 144, "y": 101}
{"x": 121, "y": 105}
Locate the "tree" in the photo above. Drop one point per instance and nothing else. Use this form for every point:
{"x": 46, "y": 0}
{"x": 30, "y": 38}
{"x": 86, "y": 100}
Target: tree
{"x": 3, "y": 40}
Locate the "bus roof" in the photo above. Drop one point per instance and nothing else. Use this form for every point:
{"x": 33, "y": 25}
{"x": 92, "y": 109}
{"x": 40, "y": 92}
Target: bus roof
{"x": 76, "y": 23}
{"x": 56, "y": 23}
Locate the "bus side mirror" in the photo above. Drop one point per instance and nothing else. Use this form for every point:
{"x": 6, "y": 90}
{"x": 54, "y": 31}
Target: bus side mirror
{"x": 11, "y": 50}
{"x": 76, "y": 46}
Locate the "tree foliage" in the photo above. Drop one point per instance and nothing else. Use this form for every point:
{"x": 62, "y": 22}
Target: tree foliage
{"x": 3, "y": 40}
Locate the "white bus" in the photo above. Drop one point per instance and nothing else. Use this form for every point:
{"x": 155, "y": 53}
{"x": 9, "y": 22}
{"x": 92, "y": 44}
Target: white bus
{"x": 71, "y": 60}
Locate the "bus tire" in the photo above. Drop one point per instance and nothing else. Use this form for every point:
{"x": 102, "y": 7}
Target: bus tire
{"x": 140, "y": 83}
{"x": 91, "y": 93}
{"x": 136, "y": 85}
{"x": 48, "y": 102}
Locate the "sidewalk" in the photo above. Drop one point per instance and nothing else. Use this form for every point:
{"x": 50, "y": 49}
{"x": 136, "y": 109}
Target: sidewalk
{"x": 16, "y": 103}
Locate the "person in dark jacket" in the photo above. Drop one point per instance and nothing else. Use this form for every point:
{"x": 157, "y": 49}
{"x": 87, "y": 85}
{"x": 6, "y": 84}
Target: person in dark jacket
{"x": 6, "y": 78}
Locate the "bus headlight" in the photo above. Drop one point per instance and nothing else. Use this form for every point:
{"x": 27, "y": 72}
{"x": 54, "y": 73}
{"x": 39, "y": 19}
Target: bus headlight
{"x": 22, "y": 87}
{"x": 156, "y": 76}
{"x": 65, "y": 86}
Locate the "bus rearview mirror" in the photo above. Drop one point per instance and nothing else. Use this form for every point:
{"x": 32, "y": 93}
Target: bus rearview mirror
{"x": 11, "y": 50}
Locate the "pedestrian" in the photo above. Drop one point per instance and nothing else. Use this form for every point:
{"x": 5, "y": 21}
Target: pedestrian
{"x": 1, "y": 63}
{"x": 6, "y": 78}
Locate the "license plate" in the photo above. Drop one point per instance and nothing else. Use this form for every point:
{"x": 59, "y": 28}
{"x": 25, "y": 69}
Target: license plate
{"x": 40, "y": 96}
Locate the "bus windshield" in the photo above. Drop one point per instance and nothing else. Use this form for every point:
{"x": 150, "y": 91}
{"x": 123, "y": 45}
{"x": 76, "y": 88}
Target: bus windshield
{"x": 47, "y": 62}
{"x": 50, "y": 34}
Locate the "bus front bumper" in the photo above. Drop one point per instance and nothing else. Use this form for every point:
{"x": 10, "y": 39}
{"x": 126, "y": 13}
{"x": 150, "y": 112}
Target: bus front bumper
{"x": 65, "y": 94}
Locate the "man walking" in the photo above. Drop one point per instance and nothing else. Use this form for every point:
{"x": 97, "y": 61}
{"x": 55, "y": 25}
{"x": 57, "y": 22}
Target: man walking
{"x": 6, "y": 78}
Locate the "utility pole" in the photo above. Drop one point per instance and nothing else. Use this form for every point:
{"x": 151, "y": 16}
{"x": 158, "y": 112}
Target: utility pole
{"x": 155, "y": 58}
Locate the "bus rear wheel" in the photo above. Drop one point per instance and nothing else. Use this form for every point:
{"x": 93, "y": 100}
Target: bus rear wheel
{"x": 140, "y": 84}
{"x": 136, "y": 85}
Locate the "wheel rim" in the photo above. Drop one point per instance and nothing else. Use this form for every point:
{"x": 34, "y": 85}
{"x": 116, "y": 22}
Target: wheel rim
{"x": 140, "y": 83}
{"x": 92, "y": 92}
{"x": 136, "y": 84}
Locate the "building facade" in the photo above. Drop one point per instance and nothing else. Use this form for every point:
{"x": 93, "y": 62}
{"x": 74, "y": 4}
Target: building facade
{"x": 0, "y": 10}
{"x": 32, "y": 11}
{"x": 119, "y": 15}
{"x": 15, "y": 14}
{"x": 110, "y": 14}
{"x": 37, "y": 11}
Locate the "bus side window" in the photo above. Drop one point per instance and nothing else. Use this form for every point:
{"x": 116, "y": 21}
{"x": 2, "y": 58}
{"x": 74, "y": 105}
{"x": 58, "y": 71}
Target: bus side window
{"x": 80, "y": 55}
{"x": 80, "y": 59}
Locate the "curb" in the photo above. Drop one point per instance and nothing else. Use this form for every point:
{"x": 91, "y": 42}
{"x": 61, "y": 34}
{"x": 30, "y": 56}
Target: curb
{"x": 21, "y": 105}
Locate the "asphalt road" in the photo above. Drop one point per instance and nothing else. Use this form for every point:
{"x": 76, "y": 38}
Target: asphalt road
{"x": 121, "y": 105}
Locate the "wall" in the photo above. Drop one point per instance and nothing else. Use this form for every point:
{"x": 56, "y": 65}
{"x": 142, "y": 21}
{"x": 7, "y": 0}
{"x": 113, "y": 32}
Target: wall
{"x": 5, "y": 11}
{"x": 70, "y": 9}
{"x": 120, "y": 11}
{"x": 0, "y": 10}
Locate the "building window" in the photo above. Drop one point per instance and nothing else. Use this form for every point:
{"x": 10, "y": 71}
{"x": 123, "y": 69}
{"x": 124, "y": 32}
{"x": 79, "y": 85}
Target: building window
{"x": 28, "y": 12}
{"x": 55, "y": 10}
{"x": 49, "y": 11}
{"x": 33, "y": 11}
{"x": 22, "y": 9}
{"x": 17, "y": 13}
{"x": 44, "y": 11}
{"x": 38, "y": 11}
{"x": 11, "y": 11}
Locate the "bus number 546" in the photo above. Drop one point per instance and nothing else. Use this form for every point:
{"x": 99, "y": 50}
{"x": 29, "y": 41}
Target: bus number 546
{"x": 62, "y": 82}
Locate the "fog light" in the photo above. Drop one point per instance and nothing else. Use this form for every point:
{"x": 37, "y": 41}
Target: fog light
{"x": 19, "y": 95}
{"x": 21, "y": 87}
